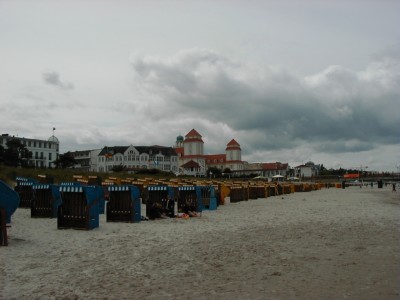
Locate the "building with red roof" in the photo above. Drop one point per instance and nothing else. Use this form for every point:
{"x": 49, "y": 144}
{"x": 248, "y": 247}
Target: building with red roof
{"x": 193, "y": 161}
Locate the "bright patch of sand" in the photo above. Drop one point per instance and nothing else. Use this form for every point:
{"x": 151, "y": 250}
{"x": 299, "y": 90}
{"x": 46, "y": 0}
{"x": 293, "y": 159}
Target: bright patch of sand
{"x": 327, "y": 244}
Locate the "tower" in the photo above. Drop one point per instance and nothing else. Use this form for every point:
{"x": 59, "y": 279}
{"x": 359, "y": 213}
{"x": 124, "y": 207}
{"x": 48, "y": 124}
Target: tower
{"x": 193, "y": 144}
{"x": 233, "y": 151}
{"x": 179, "y": 141}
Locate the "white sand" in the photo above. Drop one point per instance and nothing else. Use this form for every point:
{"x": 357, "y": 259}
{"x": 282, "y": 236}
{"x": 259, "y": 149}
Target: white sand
{"x": 328, "y": 244}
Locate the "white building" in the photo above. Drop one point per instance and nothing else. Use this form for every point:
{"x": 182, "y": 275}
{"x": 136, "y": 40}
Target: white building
{"x": 86, "y": 160}
{"x": 303, "y": 171}
{"x": 44, "y": 152}
{"x": 137, "y": 157}
{"x": 307, "y": 170}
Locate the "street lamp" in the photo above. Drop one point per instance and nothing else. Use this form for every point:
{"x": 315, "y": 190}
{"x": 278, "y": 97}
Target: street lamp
{"x": 361, "y": 168}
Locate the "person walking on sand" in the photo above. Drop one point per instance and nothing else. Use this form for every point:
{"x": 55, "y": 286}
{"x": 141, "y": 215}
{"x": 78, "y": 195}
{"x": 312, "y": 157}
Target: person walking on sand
{"x": 394, "y": 187}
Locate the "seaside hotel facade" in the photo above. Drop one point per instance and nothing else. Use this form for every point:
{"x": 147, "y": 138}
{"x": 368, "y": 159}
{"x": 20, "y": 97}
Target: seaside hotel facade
{"x": 136, "y": 157}
{"x": 186, "y": 157}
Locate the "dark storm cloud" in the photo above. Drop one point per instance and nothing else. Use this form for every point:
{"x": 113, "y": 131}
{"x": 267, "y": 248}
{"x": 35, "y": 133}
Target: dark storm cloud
{"x": 336, "y": 110}
{"x": 53, "y": 78}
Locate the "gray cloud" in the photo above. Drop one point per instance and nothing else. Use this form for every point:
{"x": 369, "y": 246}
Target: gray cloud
{"x": 53, "y": 78}
{"x": 336, "y": 110}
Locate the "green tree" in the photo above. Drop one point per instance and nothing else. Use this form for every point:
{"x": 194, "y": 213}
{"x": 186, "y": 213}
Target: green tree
{"x": 16, "y": 154}
{"x": 227, "y": 171}
{"x": 1, "y": 153}
{"x": 324, "y": 171}
{"x": 215, "y": 172}
{"x": 65, "y": 160}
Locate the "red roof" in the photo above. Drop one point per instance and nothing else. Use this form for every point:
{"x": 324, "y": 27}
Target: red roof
{"x": 233, "y": 142}
{"x": 179, "y": 151}
{"x": 193, "y": 133}
{"x": 191, "y": 164}
{"x": 212, "y": 157}
{"x": 232, "y": 145}
{"x": 193, "y": 156}
{"x": 193, "y": 136}
{"x": 274, "y": 166}
{"x": 351, "y": 175}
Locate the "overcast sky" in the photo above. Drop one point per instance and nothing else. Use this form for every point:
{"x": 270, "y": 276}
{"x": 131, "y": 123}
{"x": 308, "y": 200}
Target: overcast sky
{"x": 290, "y": 81}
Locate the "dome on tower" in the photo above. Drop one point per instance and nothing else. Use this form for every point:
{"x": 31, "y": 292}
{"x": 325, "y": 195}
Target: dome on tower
{"x": 179, "y": 138}
{"x": 233, "y": 145}
{"x": 53, "y": 139}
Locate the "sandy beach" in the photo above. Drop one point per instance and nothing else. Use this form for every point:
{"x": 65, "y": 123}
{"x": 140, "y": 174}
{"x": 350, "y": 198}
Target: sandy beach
{"x": 326, "y": 244}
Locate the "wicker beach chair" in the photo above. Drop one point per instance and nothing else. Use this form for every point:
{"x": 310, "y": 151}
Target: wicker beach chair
{"x": 123, "y": 204}
{"x": 9, "y": 202}
{"x": 79, "y": 208}
{"x": 46, "y": 200}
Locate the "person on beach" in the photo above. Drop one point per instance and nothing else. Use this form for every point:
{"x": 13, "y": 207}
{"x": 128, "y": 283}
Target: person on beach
{"x": 393, "y": 187}
{"x": 156, "y": 211}
{"x": 189, "y": 207}
{"x": 170, "y": 207}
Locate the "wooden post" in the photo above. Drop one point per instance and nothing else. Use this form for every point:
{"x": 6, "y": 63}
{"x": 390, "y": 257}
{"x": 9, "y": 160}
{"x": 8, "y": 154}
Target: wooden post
{"x": 3, "y": 228}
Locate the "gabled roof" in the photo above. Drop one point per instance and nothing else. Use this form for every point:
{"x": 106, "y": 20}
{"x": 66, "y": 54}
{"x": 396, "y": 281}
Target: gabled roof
{"x": 113, "y": 150}
{"x": 191, "y": 164}
{"x": 156, "y": 150}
